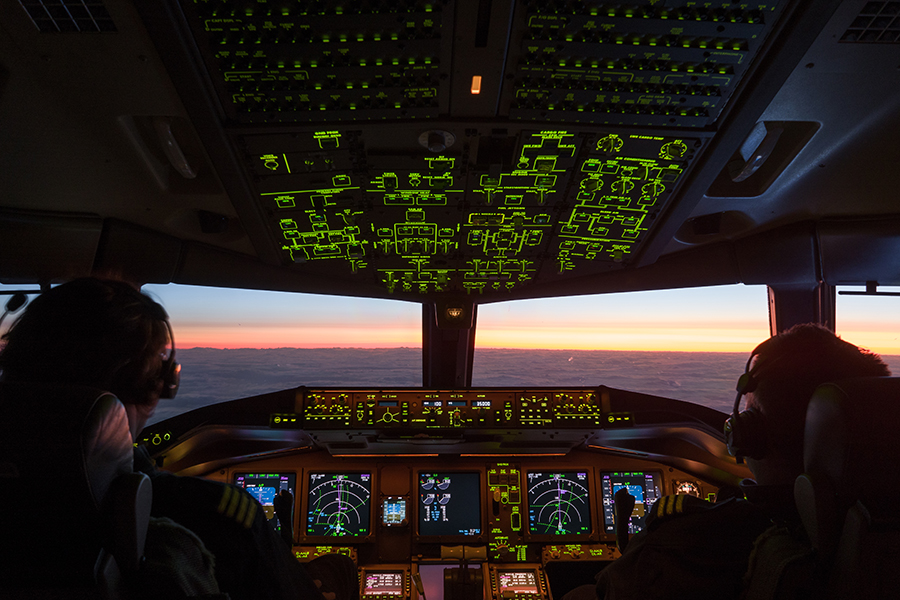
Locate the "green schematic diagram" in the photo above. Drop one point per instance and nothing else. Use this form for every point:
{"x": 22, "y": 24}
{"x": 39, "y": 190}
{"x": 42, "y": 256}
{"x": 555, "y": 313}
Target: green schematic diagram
{"x": 492, "y": 217}
{"x": 328, "y": 226}
{"x": 617, "y": 191}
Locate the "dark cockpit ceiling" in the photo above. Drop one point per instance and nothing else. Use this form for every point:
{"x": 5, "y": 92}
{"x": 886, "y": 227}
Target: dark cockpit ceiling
{"x": 337, "y": 147}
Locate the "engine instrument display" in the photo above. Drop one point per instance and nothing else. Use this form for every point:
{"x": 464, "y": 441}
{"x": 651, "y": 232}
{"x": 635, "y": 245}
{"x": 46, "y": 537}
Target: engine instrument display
{"x": 449, "y": 504}
{"x": 339, "y": 504}
{"x": 559, "y": 503}
{"x": 645, "y": 487}
{"x": 264, "y": 487}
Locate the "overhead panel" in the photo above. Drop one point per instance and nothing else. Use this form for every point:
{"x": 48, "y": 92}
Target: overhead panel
{"x": 366, "y": 148}
{"x": 662, "y": 64}
{"x": 667, "y": 64}
{"x": 324, "y": 60}
{"x": 492, "y": 214}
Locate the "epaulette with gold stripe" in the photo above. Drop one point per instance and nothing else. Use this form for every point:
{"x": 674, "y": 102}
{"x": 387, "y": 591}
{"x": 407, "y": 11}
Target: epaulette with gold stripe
{"x": 237, "y": 505}
{"x": 675, "y": 505}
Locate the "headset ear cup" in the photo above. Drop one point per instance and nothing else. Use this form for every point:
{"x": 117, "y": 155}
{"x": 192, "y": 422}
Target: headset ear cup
{"x": 745, "y": 434}
{"x": 170, "y": 376}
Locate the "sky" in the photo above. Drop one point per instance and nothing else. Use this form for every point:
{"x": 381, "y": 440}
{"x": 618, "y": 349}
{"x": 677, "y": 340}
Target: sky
{"x": 723, "y": 319}
{"x": 717, "y": 319}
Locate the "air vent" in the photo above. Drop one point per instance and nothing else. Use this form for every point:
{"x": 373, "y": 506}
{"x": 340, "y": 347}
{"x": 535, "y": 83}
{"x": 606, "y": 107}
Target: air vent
{"x": 68, "y": 16}
{"x": 879, "y": 23}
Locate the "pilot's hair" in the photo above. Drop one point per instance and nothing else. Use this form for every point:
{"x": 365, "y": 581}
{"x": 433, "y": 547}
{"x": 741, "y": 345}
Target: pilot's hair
{"x": 95, "y": 332}
{"x": 789, "y": 367}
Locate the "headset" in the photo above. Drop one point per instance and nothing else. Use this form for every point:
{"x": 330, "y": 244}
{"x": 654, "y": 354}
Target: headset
{"x": 745, "y": 432}
{"x": 15, "y": 302}
{"x": 170, "y": 371}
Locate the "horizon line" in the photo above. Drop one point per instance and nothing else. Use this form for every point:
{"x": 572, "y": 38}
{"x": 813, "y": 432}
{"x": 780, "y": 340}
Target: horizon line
{"x": 476, "y": 349}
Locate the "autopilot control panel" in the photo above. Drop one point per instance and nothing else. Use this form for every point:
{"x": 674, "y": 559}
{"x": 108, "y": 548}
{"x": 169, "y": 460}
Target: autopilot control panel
{"x": 451, "y": 409}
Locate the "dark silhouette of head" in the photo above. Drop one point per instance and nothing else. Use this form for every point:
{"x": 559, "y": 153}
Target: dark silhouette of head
{"x": 96, "y": 332}
{"x": 788, "y": 368}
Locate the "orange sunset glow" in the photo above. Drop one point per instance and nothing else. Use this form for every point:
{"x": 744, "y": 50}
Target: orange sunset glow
{"x": 717, "y": 319}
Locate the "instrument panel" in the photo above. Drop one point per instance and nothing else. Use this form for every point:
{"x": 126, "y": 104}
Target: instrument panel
{"x": 511, "y": 525}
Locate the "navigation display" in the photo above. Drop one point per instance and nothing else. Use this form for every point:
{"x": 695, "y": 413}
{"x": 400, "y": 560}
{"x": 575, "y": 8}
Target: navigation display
{"x": 559, "y": 503}
{"x": 383, "y": 583}
{"x": 339, "y": 504}
{"x": 264, "y": 487}
{"x": 645, "y": 487}
{"x": 449, "y": 504}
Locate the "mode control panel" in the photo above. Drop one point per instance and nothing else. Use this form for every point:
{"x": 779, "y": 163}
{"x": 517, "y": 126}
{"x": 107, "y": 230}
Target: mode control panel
{"x": 451, "y": 409}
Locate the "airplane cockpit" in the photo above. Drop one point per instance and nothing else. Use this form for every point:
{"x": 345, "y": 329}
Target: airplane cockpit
{"x": 454, "y": 154}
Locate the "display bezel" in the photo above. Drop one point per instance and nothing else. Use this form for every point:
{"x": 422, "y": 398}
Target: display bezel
{"x": 404, "y": 582}
{"x": 609, "y": 528}
{"x": 382, "y": 503}
{"x": 592, "y": 534}
{"x": 479, "y": 473}
{"x": 304, "y": 509}
{"x": 292, "y": 487}
{"x": 534, "y": 574}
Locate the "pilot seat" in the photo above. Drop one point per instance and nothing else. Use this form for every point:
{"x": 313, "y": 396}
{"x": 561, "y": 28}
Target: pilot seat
{"x": 847, "y": 499}
{"x": 73, "y": 514}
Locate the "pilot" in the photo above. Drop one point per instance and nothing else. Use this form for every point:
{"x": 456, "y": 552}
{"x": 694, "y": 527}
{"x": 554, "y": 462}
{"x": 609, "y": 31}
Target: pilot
{"x": 107, "y": 334}
{"x": 691, "y": 548}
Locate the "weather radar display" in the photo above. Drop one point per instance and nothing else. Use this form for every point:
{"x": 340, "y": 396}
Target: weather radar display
{"x": 559, "y": 503}
{"x": 339, "y": 504}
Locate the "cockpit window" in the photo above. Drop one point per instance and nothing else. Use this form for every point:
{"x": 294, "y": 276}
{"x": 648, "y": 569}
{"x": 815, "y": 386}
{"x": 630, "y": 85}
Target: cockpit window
{"x": 239, "y": 343}
{"x": 687, "y": 344}
{"x": 871, "y": 321}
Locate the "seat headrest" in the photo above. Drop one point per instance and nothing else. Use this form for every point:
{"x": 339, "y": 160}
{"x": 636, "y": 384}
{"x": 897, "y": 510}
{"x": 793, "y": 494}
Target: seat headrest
{"x": 851, "y": 440}
{"x": 61, "y": 447}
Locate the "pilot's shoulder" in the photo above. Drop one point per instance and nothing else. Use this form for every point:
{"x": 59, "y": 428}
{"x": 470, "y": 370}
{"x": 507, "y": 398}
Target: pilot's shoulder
{"x": 677, "y": 505}
{"x": 711, "y": 515}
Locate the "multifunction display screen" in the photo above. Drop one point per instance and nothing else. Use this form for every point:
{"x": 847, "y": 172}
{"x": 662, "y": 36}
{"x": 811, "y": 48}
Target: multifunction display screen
{"x": 449, "y": 504}
{"x": 559, "y": 503}
{"x": 516, "y": 583}
{"x": 645, "y": 487}
{"x": 393, "y": 511}
{"x": 383, "y": 583}
{"x": 265, "y": 486}
{"x": 339, "y": 504}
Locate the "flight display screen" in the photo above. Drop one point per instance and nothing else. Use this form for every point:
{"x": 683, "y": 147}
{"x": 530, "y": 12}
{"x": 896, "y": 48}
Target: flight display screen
{"x": 517, "y": 583}
{"x": 339, "y": 504}
{"x": 393, "y": 511}
{"x": 449, "y": 504}
{"x": 264, "y": 487}
{"x": 559, "y": 503}
{"x": 645, "y": 487}
{"x": 383, "y": 583}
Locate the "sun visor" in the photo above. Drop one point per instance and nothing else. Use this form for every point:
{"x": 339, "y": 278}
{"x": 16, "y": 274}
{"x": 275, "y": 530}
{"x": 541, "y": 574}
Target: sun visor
{"x": 854, "y": 252}
{"x": 137, "y": 254}
{"x": 37, "y": 247}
